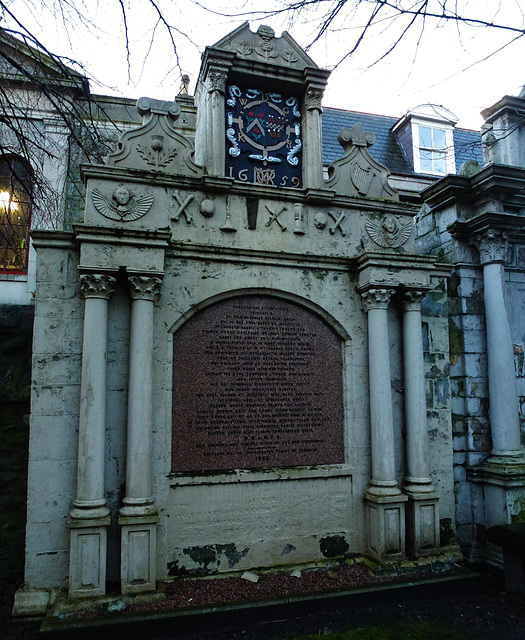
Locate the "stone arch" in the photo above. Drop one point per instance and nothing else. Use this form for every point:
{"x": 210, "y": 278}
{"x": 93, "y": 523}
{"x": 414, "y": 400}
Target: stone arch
{"x": 261, "y": 291}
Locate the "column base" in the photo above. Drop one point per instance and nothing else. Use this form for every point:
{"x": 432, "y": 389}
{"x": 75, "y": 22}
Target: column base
{"x": 138, "y": 553}
{"x": 33, "y": 602}
{"x": 422, "y": 522}
{"x": 385, "y": 519}
{"x": 88, "y": 554}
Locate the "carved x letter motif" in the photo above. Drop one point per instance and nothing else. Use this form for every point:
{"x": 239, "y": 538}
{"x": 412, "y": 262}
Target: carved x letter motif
{"x": 182, "y": 207}
{"x": 275, "y": 216}
{"x": 337, "y": 223}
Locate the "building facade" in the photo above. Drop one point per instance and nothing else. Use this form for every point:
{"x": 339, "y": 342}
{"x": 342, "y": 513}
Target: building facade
{"x": 255, "y": 348}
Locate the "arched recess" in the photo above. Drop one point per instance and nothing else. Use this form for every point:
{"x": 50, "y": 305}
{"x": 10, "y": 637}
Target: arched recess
{"x": 257, "y": 383}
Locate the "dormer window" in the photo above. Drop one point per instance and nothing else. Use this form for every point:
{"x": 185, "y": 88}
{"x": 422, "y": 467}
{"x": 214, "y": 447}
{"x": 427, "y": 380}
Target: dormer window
{"x": 432, "y": 149}
{"x": 426, "y": 134}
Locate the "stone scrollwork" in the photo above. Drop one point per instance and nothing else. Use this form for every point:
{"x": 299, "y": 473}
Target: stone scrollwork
{"x": 123, "y": 205}
{"x": 389, "y": 232}
{"x": 234, "y": 150}
{"x": 235, "y": 94}
{"x": 291, "y": 157}
{"x": 97, "y": 285}
{"x": 492, "y": 246}
{"x": 145, "y": 287}
{"x": 376, "y": 298}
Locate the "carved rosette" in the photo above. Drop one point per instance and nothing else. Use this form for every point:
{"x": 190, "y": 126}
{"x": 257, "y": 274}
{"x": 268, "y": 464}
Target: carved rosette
{"x": 144, "y": 287}
{"x": 313, "y": 99}
{"x": 492, "y": 246}
{"x": 217, "y": 81}
{"x": 376, "y": 298}
{"x": 412, "y": 300}
{"x": 97, "y": 285}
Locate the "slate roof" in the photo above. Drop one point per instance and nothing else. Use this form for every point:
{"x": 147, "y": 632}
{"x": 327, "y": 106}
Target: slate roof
{"x": 386, "y": 149}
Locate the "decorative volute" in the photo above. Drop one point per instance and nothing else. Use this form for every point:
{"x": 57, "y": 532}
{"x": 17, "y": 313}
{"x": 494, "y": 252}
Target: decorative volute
{"x": 357, "y": 173}
{"x": 155, "y": 145}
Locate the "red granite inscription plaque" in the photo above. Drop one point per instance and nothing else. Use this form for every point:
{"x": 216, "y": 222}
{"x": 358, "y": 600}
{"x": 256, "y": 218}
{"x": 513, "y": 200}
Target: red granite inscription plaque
{"x": 257, "y": 383}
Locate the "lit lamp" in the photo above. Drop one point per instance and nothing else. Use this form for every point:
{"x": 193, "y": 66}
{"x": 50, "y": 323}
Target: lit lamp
{"x": 10, "y": 209}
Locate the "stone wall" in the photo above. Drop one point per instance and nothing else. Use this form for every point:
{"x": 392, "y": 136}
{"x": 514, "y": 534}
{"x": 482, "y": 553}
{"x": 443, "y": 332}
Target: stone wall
{"x": 16, "y": 328}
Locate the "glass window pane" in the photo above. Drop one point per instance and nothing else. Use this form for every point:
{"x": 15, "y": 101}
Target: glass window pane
{"x": 439, "y": 139}
{"x": 440, "y": 164}
{"x": 425, "y": 161}
{"x": 425, "y": 137}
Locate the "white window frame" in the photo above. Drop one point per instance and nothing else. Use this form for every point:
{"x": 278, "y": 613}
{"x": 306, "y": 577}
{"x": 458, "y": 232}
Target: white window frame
{"x": 450, "y": 159}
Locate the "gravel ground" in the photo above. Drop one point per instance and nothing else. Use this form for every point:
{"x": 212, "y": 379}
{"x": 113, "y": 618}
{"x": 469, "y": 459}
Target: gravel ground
{"x": 482, "y": 609}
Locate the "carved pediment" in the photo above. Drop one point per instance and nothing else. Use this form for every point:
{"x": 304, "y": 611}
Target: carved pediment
{"x": 155, "y": 145}
{"x": 357, "y": 173}
{"x": 263, "y": 46}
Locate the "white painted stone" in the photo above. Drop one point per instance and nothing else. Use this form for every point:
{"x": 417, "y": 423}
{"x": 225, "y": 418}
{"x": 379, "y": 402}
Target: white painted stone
{"x": 250, "y": 577}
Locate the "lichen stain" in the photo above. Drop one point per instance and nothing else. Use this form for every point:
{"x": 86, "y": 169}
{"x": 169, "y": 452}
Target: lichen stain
{"x": 288, "y": 548}
{"x": 333, "y": 546}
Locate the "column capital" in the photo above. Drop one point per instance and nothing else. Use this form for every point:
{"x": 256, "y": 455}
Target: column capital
{"x": 412, "y": 299}
{"x": 492, "y": 245}
{"x": 145, "y": 287}
{"x": 217, "y": 81}
{"x": 313, "y": 99}
{"x": 376, "y": 298}
{"x": 97, "y": 285}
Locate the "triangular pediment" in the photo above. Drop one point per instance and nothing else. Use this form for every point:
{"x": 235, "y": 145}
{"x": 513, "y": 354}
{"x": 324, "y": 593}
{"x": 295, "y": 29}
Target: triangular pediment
{"x": 264, "y": 47}
{"x": 22, "y": 63}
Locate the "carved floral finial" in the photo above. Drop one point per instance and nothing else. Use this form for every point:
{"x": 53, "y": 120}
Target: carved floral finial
{"x": 266, "y": 33}
{"x": 356, "y": 136}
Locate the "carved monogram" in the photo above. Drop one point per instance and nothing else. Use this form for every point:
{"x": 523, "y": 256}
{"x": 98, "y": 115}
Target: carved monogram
{"x": 123, "y": 205}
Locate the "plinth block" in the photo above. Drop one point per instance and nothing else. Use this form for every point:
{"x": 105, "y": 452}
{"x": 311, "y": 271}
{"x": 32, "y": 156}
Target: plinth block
{"x": 385, "y": 519}
{"x": 422, "y": 523}
{"x": 138, "y": 554}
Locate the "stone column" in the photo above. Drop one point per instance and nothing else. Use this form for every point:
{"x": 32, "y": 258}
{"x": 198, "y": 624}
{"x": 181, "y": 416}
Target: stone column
{"x": 216, "y": 134}
{"x": 138, "y": 515}
{"x": 89, "y": 517}
{"x": 312, "y": 143}
{"x": 385, "y": 503}
{"x": 503, "y": 395}
{"x": 422, "y": 508}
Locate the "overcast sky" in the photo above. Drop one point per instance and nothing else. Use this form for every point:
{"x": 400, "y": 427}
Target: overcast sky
{"x": 444, "y": 64}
